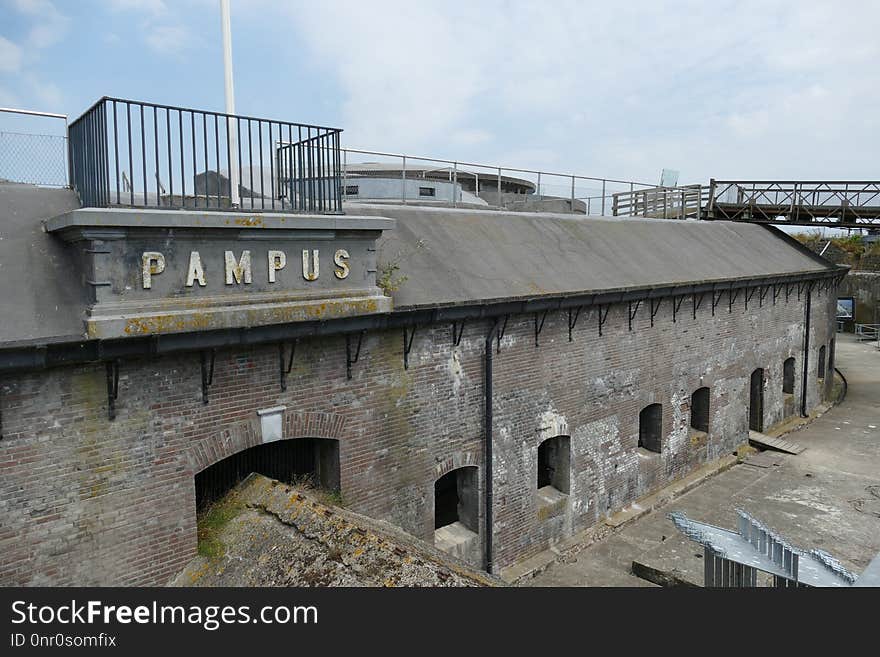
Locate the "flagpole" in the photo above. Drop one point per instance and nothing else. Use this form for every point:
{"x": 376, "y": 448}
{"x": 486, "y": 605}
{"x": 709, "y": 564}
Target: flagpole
{"x": 232, "y": 135}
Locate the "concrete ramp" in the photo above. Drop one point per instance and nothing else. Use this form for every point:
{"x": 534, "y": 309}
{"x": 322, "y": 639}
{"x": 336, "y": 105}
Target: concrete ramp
{"x": 764, "y": 441}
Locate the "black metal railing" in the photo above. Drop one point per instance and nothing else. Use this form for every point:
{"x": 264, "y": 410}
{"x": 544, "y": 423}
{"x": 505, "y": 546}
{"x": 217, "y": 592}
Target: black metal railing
{"x": 135, "y": 154}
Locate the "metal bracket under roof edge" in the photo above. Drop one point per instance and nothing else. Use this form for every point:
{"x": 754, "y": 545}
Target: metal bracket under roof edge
{"x": 349, "y": 359}
{"x": 112, "y": 387}
{"x": 207, "y": 371}
{"x": 284, "y": 369}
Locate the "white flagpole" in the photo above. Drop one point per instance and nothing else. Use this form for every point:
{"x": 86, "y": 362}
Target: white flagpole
{"x": 230, "y": 101}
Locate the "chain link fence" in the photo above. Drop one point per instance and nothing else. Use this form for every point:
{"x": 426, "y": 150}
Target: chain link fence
{"x": 33, "y": 159}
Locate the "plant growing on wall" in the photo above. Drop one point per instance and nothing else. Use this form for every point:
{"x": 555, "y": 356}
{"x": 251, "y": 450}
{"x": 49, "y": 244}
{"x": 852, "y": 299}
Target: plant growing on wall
{"x": 389, "y": 276}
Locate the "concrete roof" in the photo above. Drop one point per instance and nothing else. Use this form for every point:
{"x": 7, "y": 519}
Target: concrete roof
{"x": 480, "y": 255}
{"x": 469, "y": 256}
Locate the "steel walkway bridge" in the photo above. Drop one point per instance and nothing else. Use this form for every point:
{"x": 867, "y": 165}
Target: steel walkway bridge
{"x": 840, "y": 204}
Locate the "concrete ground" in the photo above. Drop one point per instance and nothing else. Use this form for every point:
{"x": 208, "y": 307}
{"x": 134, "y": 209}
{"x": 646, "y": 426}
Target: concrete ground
{"x": 827, "y": 497}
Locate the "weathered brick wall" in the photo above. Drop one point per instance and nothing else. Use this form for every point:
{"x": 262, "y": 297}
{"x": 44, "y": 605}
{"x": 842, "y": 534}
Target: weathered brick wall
{"x": 87, "y": 501}
{"x": 864, "y": 287}
{"x": 594, "y": 388}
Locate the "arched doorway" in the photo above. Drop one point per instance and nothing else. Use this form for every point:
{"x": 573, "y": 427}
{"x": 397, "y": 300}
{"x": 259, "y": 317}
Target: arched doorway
{"x": 456, "y": 514}
{"x": 700, "y": 410}
{"x": 310, "y": 461}
{"x": 756, "y": 400}
{"x": 651, "y": 428}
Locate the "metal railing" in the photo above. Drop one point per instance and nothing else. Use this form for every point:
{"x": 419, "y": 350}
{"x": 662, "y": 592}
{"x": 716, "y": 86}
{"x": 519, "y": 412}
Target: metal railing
{"x": 868, "y": 332}
{"x": 798, "y": 202}
{"x": 662, "y": 202}
{"x": 137, "y": 154}
{"x": 32, "y": 158}
{"x": 489, "y": 183}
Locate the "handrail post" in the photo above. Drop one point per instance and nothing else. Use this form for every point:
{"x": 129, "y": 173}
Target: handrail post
{"x": 500, "y": 204}
{"x": 403, "y": 181}
{"x": 454, "y": 184}
{"x": 344, "y": 174}
{"x": 603, "y": 197}
{"x": 711, "y": 207}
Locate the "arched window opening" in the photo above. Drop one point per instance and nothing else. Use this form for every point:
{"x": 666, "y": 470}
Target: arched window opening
{"x": 788, "y": 376}
{"x": 756, "y": 400}
{"x": 651, "y": 427}
{"x": 821, "y": 368}
{"x": 456, "y": 519}
{"x": 455, "y": 499}
{"x": 554, "y": 464}
{"x": 306, "y": 461}
{"x": 700, "y": 410}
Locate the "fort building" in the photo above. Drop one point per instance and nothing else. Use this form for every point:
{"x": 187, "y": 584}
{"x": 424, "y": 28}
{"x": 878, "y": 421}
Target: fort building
{"x": 491, "y": 382}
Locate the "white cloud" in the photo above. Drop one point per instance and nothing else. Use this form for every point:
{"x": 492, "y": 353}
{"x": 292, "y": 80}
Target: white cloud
{"x": 48, "y": 24}
{"x": 168, "y": 39}
{"x": 747, "y": 88}
{"x": 8, "y": 98}
{"x": 10, "y": 56}
{"x": 47, "y": 27}
{"x": 161, "y": 26}
{"x": 47, "y": 94}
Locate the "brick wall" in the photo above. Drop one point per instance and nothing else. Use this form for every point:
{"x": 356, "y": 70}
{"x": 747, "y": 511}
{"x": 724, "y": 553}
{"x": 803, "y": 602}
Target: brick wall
{"x": 86, "y": 501}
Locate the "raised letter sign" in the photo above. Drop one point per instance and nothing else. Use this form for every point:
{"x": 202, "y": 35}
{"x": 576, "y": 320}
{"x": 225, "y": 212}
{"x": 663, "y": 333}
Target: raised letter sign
{"x": 195, "y": 271}
{"x": 277, "y": 262}
{"x": 152, "y": 262}
{"x": 340, "y": 259}
{"x": 310, "y": 274}
{"x": 238, "y": 271}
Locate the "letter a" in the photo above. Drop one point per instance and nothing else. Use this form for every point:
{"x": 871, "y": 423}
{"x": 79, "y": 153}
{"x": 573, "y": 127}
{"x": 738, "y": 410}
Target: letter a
{"x": 195, "y": 271}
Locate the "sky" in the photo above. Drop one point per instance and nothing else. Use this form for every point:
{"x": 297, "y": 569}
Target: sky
{"x": 764, "y": 89}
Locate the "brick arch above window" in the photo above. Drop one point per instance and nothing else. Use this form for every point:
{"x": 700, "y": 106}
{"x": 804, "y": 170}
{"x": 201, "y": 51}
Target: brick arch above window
{"x": 457, "y": 460}
{"x": 240, "y": 436}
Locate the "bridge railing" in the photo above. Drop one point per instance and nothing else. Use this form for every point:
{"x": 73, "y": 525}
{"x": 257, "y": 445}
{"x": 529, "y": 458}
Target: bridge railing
{"x": 795, "y": 201}
{"x": 684, "y": 202}
{"x": 138, "y": 154}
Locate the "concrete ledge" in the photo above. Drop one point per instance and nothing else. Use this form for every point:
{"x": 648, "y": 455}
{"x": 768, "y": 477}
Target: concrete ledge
{"x": 224, "y": 317}
{"x": 551, "y": 502}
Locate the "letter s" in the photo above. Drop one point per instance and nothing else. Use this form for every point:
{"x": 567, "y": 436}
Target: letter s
{"x": 340, "y": 260}
{"x": 21, "y": 614}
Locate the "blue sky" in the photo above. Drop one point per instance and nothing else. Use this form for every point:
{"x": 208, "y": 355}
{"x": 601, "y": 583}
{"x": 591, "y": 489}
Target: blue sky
{"x": 714, "y": 89}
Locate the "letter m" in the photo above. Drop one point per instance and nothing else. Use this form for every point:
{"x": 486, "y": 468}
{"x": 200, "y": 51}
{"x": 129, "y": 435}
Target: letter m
{"x": 236, "y": 272}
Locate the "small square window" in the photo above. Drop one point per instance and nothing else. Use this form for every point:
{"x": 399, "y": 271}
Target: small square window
{"x": 352, "y": 190}
{"x": 427, "y": 191}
